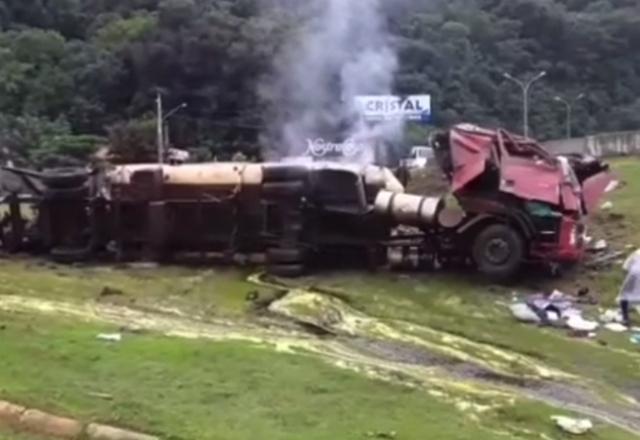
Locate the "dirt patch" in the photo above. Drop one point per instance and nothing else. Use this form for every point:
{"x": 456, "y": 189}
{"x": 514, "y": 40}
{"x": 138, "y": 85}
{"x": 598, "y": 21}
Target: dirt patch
{"x": 403, "y": 353}
{"x": 428, "y": 181}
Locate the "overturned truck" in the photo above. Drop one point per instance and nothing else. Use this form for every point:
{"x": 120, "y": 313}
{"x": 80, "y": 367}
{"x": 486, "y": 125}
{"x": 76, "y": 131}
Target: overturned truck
{"x": 511, "y": 202}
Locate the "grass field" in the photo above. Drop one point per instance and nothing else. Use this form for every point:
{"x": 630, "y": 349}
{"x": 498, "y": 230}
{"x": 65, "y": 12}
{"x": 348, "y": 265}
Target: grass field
{"x": 199, "y": 389}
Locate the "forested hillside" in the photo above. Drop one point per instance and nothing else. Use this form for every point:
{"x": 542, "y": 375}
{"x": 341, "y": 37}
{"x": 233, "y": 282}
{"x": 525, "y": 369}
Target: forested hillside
{"x": 75, "y": 72}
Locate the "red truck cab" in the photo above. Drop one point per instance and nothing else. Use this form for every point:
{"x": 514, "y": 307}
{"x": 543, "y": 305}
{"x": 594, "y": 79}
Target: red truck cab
{"x": 521, "y": 203}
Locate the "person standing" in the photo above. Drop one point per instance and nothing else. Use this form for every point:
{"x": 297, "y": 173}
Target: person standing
{"x": 630, "y": 291}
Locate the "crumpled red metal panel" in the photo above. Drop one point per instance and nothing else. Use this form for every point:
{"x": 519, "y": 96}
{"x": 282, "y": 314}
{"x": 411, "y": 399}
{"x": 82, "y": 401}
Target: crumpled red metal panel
{"x": 469, "y": 153}
{"x": 531, "y": 180}
{"x": 594, "y": 188}
{"x": 570, "y": 200}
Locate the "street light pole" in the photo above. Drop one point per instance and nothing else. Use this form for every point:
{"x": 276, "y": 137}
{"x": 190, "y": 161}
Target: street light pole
{"x": 165, "y": 125}
{"x": 526, "y": 87}
{"x": 159, "y": 128}
{"x": 569, "y": 105}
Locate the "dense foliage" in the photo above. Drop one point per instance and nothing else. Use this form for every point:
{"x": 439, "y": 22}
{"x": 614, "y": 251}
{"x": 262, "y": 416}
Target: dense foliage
{"x": 89, "y": 67}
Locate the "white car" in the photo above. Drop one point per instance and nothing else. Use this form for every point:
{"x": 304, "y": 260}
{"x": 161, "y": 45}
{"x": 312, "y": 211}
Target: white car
{"x": 420, "y": 157}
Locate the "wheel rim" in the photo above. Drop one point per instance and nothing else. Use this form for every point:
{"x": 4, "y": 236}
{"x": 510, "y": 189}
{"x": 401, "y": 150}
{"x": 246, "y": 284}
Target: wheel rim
{"x": 497, "y": 251}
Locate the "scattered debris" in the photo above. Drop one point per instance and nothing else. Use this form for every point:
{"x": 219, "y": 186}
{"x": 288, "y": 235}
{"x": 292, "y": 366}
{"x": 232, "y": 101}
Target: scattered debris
{"x": 103, "y": 396}
{"x": 578, "y": 323}
{"x": 573, "y": 426}
{"x": 110, "y": 337}
{"x": 613, "y": 185}
{"x": 110, "y": 291}
{"x": 611, "y": 316}
{"x": 605, "y": 260}
{"x": 382, "y": 435}
{"x": 523, "y": 313}
{"x": 585, "y": 296}
{"x": 616, "y": 327}
{"x": 607, "y": 206}
{"x": 599, "y": 246}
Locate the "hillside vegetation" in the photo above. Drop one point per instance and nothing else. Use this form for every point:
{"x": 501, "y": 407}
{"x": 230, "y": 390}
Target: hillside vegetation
{"x": 73, "y": 72}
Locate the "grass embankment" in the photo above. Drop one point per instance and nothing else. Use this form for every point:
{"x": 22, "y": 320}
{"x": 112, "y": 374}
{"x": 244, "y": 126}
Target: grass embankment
{"x": 465, "y": 305}
{"x": 191, "y": 389}
{"x": 9, "y": 435}
{"x": 199, "y": 390}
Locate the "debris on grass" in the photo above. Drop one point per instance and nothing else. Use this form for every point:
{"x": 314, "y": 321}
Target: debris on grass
{"x": 103, "y": 396}
{"x": 523, "y": 313}
{"x": 577, "y": 323}
{"x": 382, "y": 435}
{"x": 110, "y": 291}
{"x": 607, "y": 206}
{"x": 611, "y": 316}
{"x": 110, "y": 337}
{"x": 573, "y": 426}
{"x": 616, "y": 327}
{"x": 599, "y": 246}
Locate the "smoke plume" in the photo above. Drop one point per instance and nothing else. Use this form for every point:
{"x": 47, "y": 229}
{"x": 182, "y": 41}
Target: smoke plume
{"x": 343, "y": 51}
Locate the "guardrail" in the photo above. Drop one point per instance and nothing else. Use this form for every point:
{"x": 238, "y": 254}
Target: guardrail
{"x": 600, "y": 145}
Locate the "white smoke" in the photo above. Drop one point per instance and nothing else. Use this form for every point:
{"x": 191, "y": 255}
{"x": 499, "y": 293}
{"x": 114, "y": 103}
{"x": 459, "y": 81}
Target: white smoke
{"x": 341, "y": 53}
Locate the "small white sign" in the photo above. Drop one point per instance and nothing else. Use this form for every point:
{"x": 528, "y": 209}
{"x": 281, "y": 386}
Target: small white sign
{"x": 386, "y": 107}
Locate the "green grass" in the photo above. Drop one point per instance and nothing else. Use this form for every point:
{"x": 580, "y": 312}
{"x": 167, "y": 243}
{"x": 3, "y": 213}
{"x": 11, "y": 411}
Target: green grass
{"x": 203, "y": 390}
{"x": 463, "y": 304}
{"x": 197, "y": 390}
{"x": 6, "y": 434}
{"x": 201, "y": 291}
{"x": 465, "y": 308}
{"x": 622, "y": 223}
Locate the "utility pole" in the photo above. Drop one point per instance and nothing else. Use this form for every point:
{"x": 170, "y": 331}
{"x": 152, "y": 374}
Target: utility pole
{"x": 569, "y": 105}
{"x": 165, "y": 124}
{"x": 160, "y": 127}
{"x": 525, "y": 86}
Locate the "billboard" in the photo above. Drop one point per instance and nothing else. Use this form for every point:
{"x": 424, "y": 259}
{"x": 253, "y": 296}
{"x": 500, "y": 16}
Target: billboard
{"x": 386, "y": 107}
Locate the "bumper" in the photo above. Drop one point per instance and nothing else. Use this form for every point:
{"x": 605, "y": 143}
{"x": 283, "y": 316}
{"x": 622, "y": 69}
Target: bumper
{"x": 570, "y": 247}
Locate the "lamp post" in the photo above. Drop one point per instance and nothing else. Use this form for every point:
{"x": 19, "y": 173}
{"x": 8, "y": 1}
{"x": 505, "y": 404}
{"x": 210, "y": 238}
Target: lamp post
{"x": 569, "y": 105}
{"x": 165, "y": 126}
{"x": 159, "y": 123}
{"x": 525, "y": 86}
{"x": 160, "y": 120}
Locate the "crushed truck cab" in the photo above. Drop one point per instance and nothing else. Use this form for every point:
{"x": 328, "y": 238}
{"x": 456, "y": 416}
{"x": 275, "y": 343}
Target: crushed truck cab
{"x": 534, "y": 203}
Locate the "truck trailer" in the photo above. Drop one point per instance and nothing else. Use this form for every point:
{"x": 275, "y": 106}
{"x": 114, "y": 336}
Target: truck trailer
{"x": 510, "y": 203}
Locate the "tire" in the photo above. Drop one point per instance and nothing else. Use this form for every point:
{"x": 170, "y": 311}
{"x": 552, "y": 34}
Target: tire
{"x": 498, "y": 251}
{"x": 285, "y": 256}
{"x": 287, "y": 270}
{"x": 284, "y": 190}
{"x": 284, "y": 173}
{"x": 66, "y": 255}
{"x": 65, "y": 178}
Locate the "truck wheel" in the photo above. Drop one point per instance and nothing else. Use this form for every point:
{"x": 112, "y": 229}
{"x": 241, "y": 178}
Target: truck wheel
{"x": 287, "y": 270}
{"x": 285, "y": 256}
{"x": 65, "y": 178}
{"x": 498, "y": 251}
{"x": 284, "y": 190}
